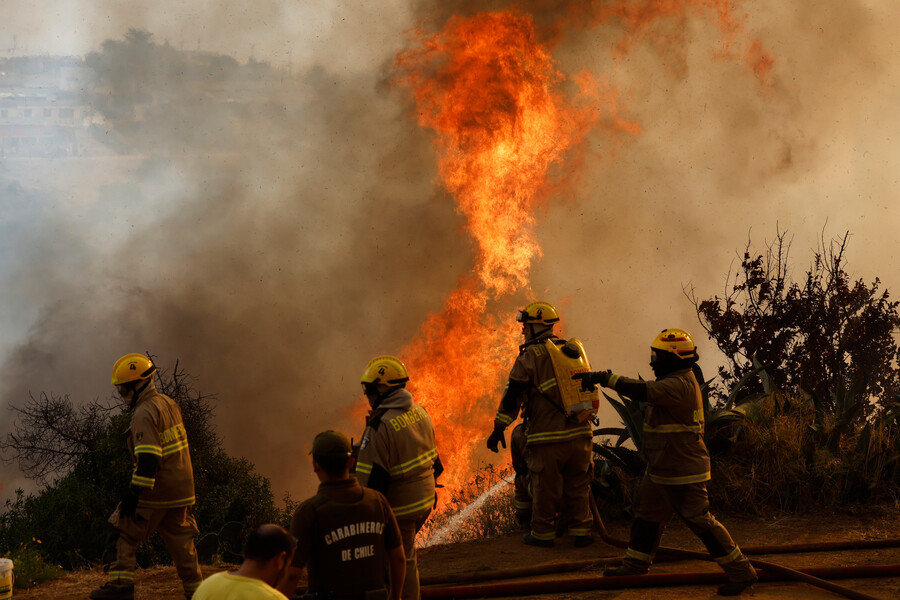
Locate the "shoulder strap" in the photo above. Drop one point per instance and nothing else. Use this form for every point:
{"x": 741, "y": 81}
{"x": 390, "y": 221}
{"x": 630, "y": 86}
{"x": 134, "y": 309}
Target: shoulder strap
{"x": 555, "y": 404}
{"x": 374, "y": 420}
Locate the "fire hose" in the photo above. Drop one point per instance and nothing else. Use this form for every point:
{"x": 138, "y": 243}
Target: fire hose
{"x": 771, "y": 572}
{"x": 766, "y": 566}
{"x": 555, "y": 586}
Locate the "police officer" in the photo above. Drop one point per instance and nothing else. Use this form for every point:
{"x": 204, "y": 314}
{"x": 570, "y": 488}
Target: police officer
{"x": 558, "y": 448}
{"x": 398, "y": 455}
{"x": 161, "y": 492}
{"x": 677, "y": 461}
{"x": 347, "y": 535}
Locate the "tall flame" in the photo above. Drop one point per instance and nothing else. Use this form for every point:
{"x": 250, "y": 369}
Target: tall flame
{"x": 492, "y": 94}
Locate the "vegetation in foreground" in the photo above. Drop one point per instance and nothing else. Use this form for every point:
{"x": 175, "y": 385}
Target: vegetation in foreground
{"x": 87, "y": 469}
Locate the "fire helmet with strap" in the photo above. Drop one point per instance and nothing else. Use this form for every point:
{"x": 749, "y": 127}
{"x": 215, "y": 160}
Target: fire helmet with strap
{"x": 132, "y": 367}
{"x": 538, "y": 312}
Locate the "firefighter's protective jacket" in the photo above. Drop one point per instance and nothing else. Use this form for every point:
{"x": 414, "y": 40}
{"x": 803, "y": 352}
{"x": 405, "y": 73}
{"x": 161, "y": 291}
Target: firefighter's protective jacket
{"x": 541, "y": 404}
{"x": 673, "y": 428}
{"x": 157, "y": 429}
{"x": 399, "y": 438}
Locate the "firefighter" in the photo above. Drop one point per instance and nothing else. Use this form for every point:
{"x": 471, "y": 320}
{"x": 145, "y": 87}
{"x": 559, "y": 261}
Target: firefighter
{"x": 398, "y": 455}
{"x": 559, "y": 448}
{"x": 161, "y": 492}
{"x": 347, "y": 535}
{"x": 677, "y": 461}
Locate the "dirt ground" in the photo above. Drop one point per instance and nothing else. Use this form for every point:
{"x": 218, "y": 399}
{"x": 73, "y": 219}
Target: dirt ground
{"x": 456, "y": 563}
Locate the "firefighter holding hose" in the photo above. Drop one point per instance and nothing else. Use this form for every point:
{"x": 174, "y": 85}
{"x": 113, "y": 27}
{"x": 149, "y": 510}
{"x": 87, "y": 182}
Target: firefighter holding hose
{"x": 398, "y": 455}
{"x": 160, "y": 496}
{"x": 558, "y": 441}
{"x": 677, "y": 461}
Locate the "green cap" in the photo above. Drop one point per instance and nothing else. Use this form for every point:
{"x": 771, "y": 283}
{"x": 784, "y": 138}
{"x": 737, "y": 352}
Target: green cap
{"x": 331, "y": 443}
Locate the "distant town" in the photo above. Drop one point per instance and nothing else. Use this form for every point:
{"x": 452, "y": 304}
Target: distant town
{"x": 43, "y": 110}
{"x": 115, "y": 101}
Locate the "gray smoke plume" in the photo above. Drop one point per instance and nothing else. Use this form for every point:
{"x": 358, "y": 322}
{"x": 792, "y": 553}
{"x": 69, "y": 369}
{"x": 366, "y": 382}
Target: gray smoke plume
{"x": 273, "y": 245}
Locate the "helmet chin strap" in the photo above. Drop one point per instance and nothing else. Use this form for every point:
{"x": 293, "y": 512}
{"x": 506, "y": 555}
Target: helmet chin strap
{"x": 667, "y": 362}
{"x": 376, "y": 397}
{"x": 136, "y": 391}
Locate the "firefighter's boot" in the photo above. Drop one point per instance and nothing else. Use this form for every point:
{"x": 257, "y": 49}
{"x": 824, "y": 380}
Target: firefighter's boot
{"x": 645, "y": 536}
{"x": 530, "y": 540}
{"x": 113, "y": 591}
{"x": 735, "y": 588}
{"x": 629, "y": 567}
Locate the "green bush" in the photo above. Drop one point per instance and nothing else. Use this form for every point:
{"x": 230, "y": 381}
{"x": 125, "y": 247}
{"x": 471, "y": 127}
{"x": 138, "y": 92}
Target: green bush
{"x": 30, "y": 567}
{"x": 70, "y": 514}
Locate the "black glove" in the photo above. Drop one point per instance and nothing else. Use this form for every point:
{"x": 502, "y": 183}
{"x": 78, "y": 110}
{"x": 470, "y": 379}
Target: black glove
{"x": 495, "y": 438}
{"x": 128, "y": 505}
{"x": 589, "y": 380}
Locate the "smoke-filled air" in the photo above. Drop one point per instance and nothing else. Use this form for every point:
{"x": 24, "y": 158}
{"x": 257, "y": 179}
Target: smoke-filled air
{"x": 399, "y": 178}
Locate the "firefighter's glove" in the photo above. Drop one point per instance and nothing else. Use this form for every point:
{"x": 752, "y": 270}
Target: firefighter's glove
{"x": 495, "y": 438}
{"x": 128, "y": 505}
{"x": 590, "y": 380}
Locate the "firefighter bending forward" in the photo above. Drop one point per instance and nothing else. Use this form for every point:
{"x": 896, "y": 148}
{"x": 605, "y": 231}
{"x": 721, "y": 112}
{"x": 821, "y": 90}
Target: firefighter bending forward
{"x": 161, "y": 492}
{"x": 398, "y": 455}
{"x": 559, "y": 449}
{"x": 677, "y": 461}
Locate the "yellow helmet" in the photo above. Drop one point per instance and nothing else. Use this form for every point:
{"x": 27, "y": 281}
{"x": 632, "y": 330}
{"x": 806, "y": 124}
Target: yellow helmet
{"x": 538, "y": 312}
{"x": 677, "y": 341}
{"x": 388, "y": 370}
{"x": 132, "y": 367}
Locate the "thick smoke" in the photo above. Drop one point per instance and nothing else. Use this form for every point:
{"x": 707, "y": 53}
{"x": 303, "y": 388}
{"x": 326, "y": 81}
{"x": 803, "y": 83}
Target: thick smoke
{"x": 314, "y": 234}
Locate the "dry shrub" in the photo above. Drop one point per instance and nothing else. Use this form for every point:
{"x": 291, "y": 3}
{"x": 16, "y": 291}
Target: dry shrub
{"x": 483, "y": 508}
{"x": 784, "y": 461}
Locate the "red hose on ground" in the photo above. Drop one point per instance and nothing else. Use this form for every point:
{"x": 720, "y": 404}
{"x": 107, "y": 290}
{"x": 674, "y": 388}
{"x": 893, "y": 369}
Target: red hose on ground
{"x": 553, "y": 586}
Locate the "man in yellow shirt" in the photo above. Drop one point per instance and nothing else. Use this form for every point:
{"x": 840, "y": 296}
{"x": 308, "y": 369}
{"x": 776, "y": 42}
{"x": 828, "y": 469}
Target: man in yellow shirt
{"x": 267, "y": 555}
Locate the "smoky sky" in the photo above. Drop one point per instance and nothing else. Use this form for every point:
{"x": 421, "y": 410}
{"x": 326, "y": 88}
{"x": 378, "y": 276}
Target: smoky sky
{"x": 312, "y": 233}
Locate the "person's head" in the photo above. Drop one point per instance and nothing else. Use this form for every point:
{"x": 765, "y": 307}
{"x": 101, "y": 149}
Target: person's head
{"x": 268, "y": 550}
{"x": 131, "y": 375}
{"x": 672, "y": 350}
{"x": 331, "y": 455}
{"x": 383, "y": 375}
{"x": 537, "y": 319}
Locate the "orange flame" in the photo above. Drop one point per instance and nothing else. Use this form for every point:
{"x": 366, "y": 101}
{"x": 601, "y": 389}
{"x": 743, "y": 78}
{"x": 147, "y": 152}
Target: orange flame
{"x": 492, "y": 94}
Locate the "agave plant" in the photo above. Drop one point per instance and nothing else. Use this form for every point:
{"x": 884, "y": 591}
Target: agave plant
{"x": 617, "y": 454}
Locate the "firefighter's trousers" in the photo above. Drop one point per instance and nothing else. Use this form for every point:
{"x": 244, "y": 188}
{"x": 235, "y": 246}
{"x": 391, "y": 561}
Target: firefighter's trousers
{"x": 656, "y": 504}
{"x": 560, "y": 483}
{"x": 522, "y": 481}
{"x": 409, "y": 527}
{"x": 177, "y": 528}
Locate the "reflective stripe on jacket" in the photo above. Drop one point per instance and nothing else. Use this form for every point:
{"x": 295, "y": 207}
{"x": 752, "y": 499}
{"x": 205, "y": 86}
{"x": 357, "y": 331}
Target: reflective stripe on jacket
{"x": 541, "y": 403}
{"x": 673, "y": 429}
{"x": 401, "y": 441}
{"x": 157, "y": 428}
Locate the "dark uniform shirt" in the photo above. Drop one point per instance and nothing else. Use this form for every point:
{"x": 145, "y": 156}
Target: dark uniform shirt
{"x": 343, "y": 535}
{"x": 541, "y": 403}
{"x": 673, "y": 428}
